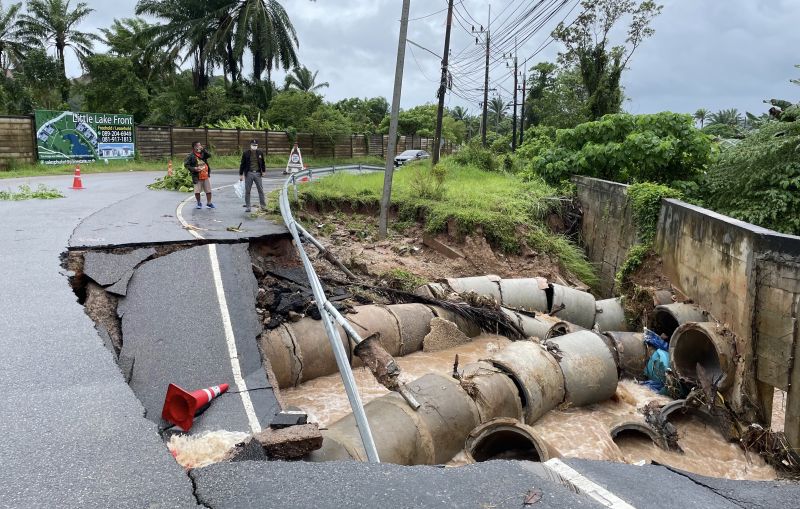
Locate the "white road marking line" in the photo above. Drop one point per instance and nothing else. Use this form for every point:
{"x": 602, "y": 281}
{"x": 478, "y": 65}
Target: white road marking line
{"x": 574, "y": 480}
{"x": 236, "y": 368}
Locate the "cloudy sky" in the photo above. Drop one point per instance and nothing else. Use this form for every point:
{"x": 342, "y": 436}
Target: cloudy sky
{"x": 705, "y": 53}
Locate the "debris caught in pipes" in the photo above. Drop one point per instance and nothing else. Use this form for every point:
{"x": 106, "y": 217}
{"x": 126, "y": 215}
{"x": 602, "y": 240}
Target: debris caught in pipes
{"x": 380, "y": 363}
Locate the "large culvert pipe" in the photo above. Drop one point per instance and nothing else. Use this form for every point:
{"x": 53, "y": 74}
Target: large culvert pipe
{"x": 431, "y": 435}
{"x": 636, "y": 428}
{"x": 562, "y": 328}
{"x": 301, "y": 351}
{"x": 667, "y": 318}
{"x": 573, "y": 306}
{"x": 493, "y": 391}
{"x": 590, "y": 373}
{"x": 610, "y": 316}
{"x": 507, "y": 439}
{"x": 631, "y": 352}
{"x": 533, "y": 326}
{"x": 680, "y": 407}
{"x": 708, "y": 345}
{"x": 468, "y": 327}
{"x": 536, "y": 374}
{"x": 482, "y": 285}
{"x": 527, "y": 294}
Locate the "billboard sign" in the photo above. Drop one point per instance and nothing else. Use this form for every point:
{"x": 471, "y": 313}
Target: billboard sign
{"x": 77, "y": 137}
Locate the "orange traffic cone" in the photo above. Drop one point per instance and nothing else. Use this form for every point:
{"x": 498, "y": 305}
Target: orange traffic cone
{"x": 76, "y": 180}
{"x": 180, "y": 406}
{"x": 169, "y": 168}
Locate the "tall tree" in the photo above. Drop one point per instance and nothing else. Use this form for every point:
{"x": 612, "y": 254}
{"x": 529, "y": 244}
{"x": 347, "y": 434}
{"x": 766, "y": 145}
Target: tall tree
{"x": 128, "y": 38}
{"x": 730, "y": 117}
{"x": 588, "y": 44}
{"x": 54, "y": 23}
{"x": 459, "y": 113}
{"x": 497, "y": 110}
{"x": 185, "y": 31}
{"x": 12, "y": 45}
{"x": 701, "y": 115}
{"x": 301, "y": 78}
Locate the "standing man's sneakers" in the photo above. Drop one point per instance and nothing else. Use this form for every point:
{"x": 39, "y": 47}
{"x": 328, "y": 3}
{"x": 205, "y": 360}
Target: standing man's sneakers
{"x": 247, "y": 210}
{"x": 199, "y": 206}
{"x": 211, "y": 205}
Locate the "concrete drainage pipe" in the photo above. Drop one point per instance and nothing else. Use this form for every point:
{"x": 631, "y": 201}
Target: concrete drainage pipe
{"x": 533, "y": 326}
{"x": 705, "y": 344}
{"x": 668, "y": 317}
{"x": 610, "y": 316}
{"x": 536, "y": 374}
{"x": 561, "y": 328}
{"x": 636, "y": 429}
{"x": 301, "y": 351}
{"x": 631, "y": 352}
{"x": 431, "y": 435}
{"x": 507, "y": 439}
{"x": 528, "y": 294}
{"x": 468, "y": 327}
{"x": 493, "y": 391}
{"x": 590, "y": 373}
{"x": 573, "y": 306}
{"x": 482, "y": 285}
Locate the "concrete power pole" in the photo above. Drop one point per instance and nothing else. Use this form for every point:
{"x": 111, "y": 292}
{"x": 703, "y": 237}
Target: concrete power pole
{"x": 514, "y": 117}
{"x": 437, "y": 137}
{"x": 522, "y": 113}
{"x": 383, "y": 222}
{"x": 486, "y": 81}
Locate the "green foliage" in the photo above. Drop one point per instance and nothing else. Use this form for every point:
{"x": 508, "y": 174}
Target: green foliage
{"x": 556, "y": 97}
{"x": 571, "y": 258}
{"x": 212, "y": 105}
{"x": 328, "y": 123}
{"x": 293, "y": 108}
{"x": 636, "y": 256}
{"x": 758, "y": 180}
{"x": 180, "y": 180}
{"x": 365, "y": 115}
{"x": 625, "y": 148}
{"x": 301, "y": 78}
{"x": 427, "y": 181}
{"x": 242, "y": 122}
{"x": 723, "y": 131}
{"x": 115, "y": 87}
{"x": 25, "y": 192}
{"x": 473, "y": 154}
{"x": 645, "y": 201}
{"x": 401, "y": 279}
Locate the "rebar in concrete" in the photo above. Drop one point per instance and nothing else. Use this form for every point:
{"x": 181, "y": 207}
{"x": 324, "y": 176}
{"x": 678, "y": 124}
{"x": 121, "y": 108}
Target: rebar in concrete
{"x": 590, "y": 373}
{"x": 537, "y": 375}
{"x": 707, "y": 345}
{"x": 507, "y": 439}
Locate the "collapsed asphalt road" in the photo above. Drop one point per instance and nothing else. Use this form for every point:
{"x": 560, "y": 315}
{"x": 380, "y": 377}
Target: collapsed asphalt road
{"x": 75, "y": 434}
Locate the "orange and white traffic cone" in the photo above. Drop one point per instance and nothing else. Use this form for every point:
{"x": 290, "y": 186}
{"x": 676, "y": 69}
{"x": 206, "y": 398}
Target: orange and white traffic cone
{"x": 169, "y": 168}
{"x": 181, "y": 406}
{"x": 76, "y": 180}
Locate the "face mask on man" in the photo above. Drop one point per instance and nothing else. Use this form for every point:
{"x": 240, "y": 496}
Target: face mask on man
{"x": 253, "y": 147}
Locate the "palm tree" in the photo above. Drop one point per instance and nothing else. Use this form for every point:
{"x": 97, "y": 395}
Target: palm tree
{"x": 53, "y": 23}
{"x": 701, "y": 115}
{"x": 128, "y": 38}
{"x": 186, "y": 31}
{"x": 497, "y": 110}
{"x": 730, "y": 117}
{"x": 302, "y": 79}
{"x": 459, "y": 113}
{"x": 12, "y": 46}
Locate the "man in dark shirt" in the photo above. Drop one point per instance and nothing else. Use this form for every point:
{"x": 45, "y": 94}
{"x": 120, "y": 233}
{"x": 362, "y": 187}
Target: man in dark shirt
{"x": 197, "y": 164}
{"x": 251, "y": 170}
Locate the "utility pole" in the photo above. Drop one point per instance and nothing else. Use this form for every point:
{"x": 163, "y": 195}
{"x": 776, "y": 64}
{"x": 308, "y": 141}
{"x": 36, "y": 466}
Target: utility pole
{"x": 383, "y": 222}
{"x": 514, "y": 115}
{"x": 486, "y": 78}
{"x": 522, "y": 113}
{"x": 437, "y": 137}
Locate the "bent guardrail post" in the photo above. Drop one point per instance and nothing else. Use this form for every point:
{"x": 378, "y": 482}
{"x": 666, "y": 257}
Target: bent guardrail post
{"x": 333, "y": 335}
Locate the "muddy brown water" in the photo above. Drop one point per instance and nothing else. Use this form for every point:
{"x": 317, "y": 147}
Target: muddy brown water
{"x": 572, "y": 432}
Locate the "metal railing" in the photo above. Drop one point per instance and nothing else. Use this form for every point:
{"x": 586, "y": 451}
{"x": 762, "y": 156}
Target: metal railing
{"x": 327, "y": 311}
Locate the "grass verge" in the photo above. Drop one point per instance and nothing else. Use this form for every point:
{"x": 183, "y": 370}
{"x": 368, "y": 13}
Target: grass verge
{"x": 24, "y": 192}
{"x": 221, "y": 162}
{"x": 508, "y": 210}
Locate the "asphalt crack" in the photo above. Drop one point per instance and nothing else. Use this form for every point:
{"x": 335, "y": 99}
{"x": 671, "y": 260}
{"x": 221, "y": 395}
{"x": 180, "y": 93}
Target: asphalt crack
{"x": 729, "y": 499}
{"x": 200, "y": 501}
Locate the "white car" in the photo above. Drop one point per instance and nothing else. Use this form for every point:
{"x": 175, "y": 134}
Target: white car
{"x": 410, "y": 155}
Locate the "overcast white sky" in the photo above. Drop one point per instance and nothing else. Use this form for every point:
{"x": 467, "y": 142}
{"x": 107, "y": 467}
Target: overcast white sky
{"x": 705, "y": 53}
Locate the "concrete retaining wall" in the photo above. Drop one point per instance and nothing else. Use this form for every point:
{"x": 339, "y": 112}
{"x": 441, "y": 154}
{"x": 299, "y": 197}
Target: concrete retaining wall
{"x": 607, "y": 228}
{"x": 746, "y": 276}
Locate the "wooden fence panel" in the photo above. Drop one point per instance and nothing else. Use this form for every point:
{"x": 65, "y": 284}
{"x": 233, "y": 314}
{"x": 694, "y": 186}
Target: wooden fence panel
{"x": 306, "y": 143}
{"x": 324, "y": 148}
{"x": 278, "y": 142}
{"x": 153, "y": 142}
{"x": 224, "y": 141}
{"x": 342, "y": 147}
{"x": 248, "y": 135}
{"x": 16, "y": 141}
{"x": 376, "y": 145}
{"x": 360, "y": 146}
{"x": 183, "y": 137}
